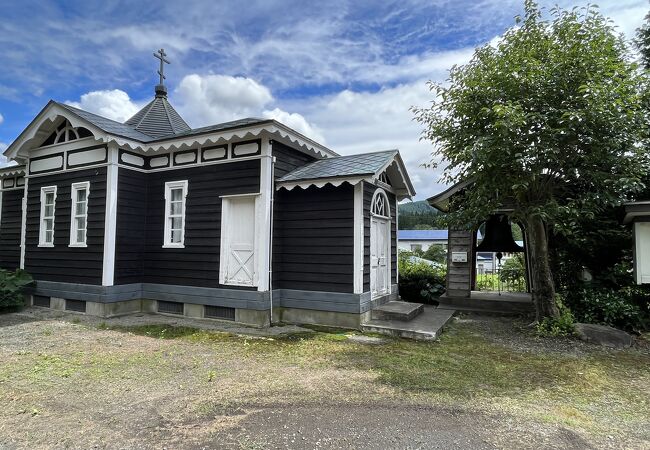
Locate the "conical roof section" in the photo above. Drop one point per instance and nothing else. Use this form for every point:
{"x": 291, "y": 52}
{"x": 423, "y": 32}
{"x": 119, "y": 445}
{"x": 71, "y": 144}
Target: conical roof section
{"x": 159, "y": 118}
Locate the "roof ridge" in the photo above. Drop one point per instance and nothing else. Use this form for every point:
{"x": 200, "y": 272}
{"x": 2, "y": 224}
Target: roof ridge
{"x": 150, "y": 105}
{"x": 168, "y": 115}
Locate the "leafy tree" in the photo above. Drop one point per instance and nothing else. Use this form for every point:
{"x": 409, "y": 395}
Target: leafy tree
{"x": 548, "y": 122}
{"x": 643, "y": 41}
{"x": 435, "y": 253}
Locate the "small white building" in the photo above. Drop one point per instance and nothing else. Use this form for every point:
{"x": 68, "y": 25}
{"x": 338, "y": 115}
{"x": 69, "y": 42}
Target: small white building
{"x": 412, "y": 240}
{"x": 638, "y": 213}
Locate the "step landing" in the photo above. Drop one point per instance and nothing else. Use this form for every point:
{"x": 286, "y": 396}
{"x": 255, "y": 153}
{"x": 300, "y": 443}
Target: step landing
{"x": 396, "y": 310}
{"x": 426, "y": 326}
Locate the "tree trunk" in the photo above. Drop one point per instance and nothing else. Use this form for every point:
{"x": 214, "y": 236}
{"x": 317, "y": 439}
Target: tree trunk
{"x": 541, "y": 277}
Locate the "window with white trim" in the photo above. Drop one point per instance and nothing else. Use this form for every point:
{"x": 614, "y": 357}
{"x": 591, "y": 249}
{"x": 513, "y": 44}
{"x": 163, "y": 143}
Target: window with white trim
{"x": 175, "y": 195}
{"x": 79, "y": 214}
{"x": 48, "y": 203}
{"x": 380, "y": 205}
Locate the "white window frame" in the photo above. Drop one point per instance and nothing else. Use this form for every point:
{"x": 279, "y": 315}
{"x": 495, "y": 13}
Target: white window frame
{"x": 42, "y": 231}
{"x": 76, "y": 187}
{"x": 169, "y": 186}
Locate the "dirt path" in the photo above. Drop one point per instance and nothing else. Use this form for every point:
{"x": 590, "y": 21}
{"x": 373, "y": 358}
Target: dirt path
{"x": 66, "y": 381}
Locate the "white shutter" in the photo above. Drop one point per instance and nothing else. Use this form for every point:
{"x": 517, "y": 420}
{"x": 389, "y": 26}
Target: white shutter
{"x": 238, "y": 259}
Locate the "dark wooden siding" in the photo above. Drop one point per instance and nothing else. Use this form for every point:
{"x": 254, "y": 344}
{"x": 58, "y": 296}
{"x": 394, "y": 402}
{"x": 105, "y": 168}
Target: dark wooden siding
{"x": 61, "y": 262}
{"x": 198, "y": 263}
{"x": 288, "y": 159}
{"x": 131, "y": 224}
{"x": 313, "y": 239}
{"x": 10, "y": 227}
{"x": 368, "y": 191}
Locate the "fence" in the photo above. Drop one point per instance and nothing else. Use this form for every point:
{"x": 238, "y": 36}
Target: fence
{"x": 502, "y": 279}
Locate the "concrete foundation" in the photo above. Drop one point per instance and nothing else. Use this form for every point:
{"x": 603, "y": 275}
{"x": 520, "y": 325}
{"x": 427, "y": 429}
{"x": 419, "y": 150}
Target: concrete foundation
{"x": 113, "y": 309}
{"x": 316, "y": 317}
{"x": 253, "y": 317}
{"x": 57, "y": 303}
{"x": 193, "y": 311}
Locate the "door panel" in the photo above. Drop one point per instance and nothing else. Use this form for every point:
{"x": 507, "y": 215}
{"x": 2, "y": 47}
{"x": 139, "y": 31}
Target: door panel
{"x": 379, "y": 256}
{"x": 240, "y": 241}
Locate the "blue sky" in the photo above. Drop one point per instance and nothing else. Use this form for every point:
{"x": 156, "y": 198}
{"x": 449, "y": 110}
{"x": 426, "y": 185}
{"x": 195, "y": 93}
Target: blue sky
{"x": 343, "y": 72}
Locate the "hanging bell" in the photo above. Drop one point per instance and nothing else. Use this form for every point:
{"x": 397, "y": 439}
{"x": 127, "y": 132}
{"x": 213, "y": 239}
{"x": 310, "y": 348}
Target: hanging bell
{"x": 498, "y": 236}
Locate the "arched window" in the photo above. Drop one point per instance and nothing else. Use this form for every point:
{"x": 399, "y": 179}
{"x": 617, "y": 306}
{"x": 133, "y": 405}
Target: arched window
{"x": 380, "y": 205}
{"x": 65, "y": 132}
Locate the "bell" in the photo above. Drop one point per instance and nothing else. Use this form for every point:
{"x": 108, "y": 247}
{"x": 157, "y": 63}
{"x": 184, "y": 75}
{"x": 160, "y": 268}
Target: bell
{"x": 498, "y": 236}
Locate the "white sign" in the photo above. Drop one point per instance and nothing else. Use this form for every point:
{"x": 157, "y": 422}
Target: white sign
{"x": 459, "y": 257}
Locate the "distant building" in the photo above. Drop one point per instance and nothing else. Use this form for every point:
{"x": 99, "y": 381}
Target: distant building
{"x": 413, "y": 240}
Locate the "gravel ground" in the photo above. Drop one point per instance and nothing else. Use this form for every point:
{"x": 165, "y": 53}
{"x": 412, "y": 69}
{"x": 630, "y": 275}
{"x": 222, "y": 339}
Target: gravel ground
{"x": 68, "y": 381}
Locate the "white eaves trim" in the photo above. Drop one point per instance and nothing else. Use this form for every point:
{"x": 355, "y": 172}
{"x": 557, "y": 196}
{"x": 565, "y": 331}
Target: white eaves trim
{"x": 38, "y": 131}
{"x": 320, "y": 182}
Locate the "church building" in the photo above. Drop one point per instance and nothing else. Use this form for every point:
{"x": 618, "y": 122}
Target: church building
{"x": 247, "y": 220}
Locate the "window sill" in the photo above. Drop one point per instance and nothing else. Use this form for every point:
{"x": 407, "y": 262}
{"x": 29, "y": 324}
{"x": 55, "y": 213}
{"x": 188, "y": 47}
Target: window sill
{"x": 173, "y": 246}
{"x": 78, "y": 245}
{"x": 45, "y": 245}
{"x": 231, "y": 283}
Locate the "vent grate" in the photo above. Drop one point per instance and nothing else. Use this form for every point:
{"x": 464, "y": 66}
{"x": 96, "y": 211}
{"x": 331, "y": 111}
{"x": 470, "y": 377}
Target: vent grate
{"x": 75, "y": 305}
{"x": 219, "y": 312}
{"x": 42, "y": 300}
{"x": 170, "y": 307}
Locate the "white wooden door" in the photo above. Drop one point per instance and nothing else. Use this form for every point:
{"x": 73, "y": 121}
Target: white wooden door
{"x": 240, "y": 241}
{"x": 379, "y": 256}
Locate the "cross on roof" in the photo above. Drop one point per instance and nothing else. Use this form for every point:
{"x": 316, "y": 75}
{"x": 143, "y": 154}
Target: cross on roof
{"x": 160, "y": 54}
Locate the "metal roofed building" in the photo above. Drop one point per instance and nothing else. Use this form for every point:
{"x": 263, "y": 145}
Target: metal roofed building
{"x": 246, "y": 220}
{"x": 413, "y": 240}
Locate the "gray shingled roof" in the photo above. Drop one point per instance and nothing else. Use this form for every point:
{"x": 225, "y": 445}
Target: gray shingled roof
{"x": 158, "y": 119}
{"x": 108, "y": 125}
{"x": 342, "y": 166}
{"x": 222, "y": 126}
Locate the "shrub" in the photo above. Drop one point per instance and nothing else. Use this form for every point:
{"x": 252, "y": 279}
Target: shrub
{"x": 12, "y": 288}
{"x": 564, "y": 325}
{"x": 419, "y": 281}
{"x": 619, "y": 308}
{"x": 612, "y": 299}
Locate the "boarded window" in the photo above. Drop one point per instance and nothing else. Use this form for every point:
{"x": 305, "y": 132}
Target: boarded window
{"x": 41, "y": 300}
{"x": 219, "y": 312}
{"x": 170, "y": 307}
{"x": 75, "y": 305}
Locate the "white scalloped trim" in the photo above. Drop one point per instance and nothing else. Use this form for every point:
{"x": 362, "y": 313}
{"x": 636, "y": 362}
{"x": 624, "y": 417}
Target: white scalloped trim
{"x": 319, "y": 183}
{"x": 11, "y": 171}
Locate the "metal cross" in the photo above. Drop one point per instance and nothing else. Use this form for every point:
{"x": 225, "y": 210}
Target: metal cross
{"x": 160, "y": 54}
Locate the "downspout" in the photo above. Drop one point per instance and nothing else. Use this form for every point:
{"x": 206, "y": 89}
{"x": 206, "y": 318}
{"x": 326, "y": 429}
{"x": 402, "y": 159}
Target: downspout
{"x": 272, "y": 181}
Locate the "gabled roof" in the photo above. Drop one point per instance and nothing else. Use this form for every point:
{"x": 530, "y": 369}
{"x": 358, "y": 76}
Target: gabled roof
{"x": 107, "y": 125}
{"x": 422, "y": 235}
{"x": 352, "y": 169}
{"x": 128, "y": 137}
{"x": 342, "y": 166}
{"x": 158, "y": 119}
{"x": 441, "y": 201}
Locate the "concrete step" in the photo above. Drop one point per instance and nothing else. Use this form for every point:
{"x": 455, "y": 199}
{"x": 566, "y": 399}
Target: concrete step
{"x": 506, "y": 303}
{"x": 396, "y": 310}
{"x": 426, "y": 326}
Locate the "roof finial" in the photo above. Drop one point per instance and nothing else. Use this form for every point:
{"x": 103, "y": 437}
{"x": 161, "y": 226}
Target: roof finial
{"x": 160, "y": 88}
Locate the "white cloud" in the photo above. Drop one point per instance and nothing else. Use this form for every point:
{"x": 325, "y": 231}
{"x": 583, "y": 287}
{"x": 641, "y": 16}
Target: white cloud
{"x": 4, "y": 162}
{"x": 359, "y": 122}
{"x": 297, "y": 122}
{"x": 114, "y": 104}
{"x": 2, "y": 119}
{"x": 209, "y": 99}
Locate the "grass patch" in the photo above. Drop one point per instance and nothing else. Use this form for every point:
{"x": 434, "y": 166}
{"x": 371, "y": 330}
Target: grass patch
{"x": 598, "y": 390}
